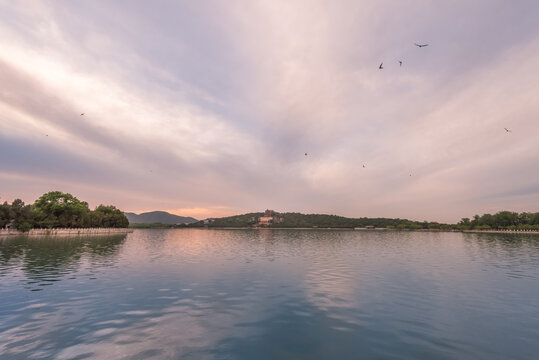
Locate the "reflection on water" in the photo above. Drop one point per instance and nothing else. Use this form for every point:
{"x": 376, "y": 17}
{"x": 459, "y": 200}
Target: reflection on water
{"x": 43, "y": 260}
{"x": 270, "y": 294}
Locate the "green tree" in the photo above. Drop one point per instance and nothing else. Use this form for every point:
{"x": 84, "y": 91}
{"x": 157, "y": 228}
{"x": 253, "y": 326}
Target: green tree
{"x": 505, "y": 219}
{"x": 488, "y": 220}
{"x": 6, "y": 214}
{"x": 109, "y": 216}
{"x": 56, "y": 209}
{"x": 475, "y": 222}
{"x": 464, "y": 224}
{"x": 23, "y": 215}
{"x": 524, "y": 218}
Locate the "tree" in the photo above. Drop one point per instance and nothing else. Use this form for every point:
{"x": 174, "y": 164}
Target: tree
{"x": 524, "y": 218}
{"x": 23, "y": 215}
{"x": 488, "y": 220}
{"x": 464, "y": 224}
{"x": 56, "y": 209}
{"x": 506, "y": 219}
{"x": 6, "y": 214}
{"x": 110, "y": 216}
{"x": 475, "y": 222}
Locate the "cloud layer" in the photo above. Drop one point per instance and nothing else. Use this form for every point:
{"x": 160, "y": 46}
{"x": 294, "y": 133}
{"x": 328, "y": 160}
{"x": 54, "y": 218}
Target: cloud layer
{"x": 209, "y": 108}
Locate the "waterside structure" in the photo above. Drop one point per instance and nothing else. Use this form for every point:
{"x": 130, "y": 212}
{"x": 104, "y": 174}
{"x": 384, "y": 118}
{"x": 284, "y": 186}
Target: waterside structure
{"x": 66, "y": 232}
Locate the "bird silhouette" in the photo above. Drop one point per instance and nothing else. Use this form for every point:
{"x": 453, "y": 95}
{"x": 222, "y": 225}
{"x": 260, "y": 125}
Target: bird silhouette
{"x": 421, "y": 45}
{"x": 81, "y": 114}
{"x": 306, "y": 154}
{"x": 400, "y": 63}
{"x": 363, "y": 165}
{"x": 507, "y": 130}
{"x": 381, "y": 67}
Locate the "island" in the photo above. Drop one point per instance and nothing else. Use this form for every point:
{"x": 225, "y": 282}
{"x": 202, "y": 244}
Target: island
{"x": 60, "y": 213}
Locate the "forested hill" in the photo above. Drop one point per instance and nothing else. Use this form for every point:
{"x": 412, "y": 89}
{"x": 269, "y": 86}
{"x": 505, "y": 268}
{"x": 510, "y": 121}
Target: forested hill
{"x": 233, "y": 221}
{"x": 502, "y": 220}
{"x": 296, "y": 220}
{"x": 323, "y": 220}
{"x": 161, "y": 217}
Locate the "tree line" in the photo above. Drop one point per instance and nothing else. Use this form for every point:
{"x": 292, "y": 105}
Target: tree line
{"x": 59, "y": 210}
{"x": 503, "y": 220}
{"x": 298, "y": 220}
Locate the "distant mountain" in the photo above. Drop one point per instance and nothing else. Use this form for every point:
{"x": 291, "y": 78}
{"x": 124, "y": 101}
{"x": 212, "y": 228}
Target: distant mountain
{"x": 161, "y": 217}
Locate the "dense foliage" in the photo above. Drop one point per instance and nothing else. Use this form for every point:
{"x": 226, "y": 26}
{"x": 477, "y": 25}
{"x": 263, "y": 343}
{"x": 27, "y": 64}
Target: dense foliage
{"x": 236, "y": 221}
{"x": 59, "y": 210}
{"x": 297, "y": 220}
{"x": 322, "y": 220}
{"x": 504, "y": 220}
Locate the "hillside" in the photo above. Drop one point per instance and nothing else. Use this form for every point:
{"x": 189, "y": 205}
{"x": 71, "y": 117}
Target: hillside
{"x": 296, "y": 220}
{"x": 161, "y": 217}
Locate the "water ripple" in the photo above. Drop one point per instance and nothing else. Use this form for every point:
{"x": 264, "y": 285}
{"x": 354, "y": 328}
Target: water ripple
{"x": 198, "y": 294}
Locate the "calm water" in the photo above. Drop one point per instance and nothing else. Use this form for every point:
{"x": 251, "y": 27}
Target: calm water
{"x": 270, "y": 294}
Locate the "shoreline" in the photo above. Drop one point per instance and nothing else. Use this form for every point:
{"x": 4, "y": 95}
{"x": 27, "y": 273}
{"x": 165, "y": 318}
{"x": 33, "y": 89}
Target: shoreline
{"x": 502, "y": 231}
{"x": 108, "y": 231}
{"x": 66, "y": 232}
{"x": 375, "y": 229}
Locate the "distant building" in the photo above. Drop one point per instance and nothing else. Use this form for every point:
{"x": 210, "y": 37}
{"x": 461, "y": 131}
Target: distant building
{"x": 208, "y": 221}
{"x": 270, "y": 217}
{"x": 265, "y": 220}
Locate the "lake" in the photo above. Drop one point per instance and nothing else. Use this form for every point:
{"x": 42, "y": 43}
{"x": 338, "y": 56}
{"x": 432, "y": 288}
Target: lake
{"x": 270, "y": 294}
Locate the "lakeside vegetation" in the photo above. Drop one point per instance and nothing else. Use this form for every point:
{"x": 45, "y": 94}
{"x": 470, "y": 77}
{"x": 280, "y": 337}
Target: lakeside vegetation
{"x": 59, "y": 210}
{"x": 298, "y": 220}
{"x": 62, "y": 210}
{"x": 503, "y": 220}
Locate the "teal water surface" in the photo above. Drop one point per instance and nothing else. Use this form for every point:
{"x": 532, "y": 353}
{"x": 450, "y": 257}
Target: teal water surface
{"x": 270, "y": 294}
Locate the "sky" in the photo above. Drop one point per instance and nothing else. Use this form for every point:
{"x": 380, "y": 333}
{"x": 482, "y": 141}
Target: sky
{"x": 207, "y": 109}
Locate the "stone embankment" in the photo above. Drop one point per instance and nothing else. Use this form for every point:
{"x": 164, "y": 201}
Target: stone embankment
{"x": 69, "y": 232}
{"x": 503, "y": 231}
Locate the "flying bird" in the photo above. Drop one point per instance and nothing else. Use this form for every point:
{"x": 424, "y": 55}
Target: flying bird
{"x": 306, "y": 154}
{"x": 421, "y": 45}
{"x": 81, "y": 114}
{"x": 507, "y": 130}
{"x": 381, "y": 67}
{"x": 400, "y": 63}
{"x": 363, "y": 165}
